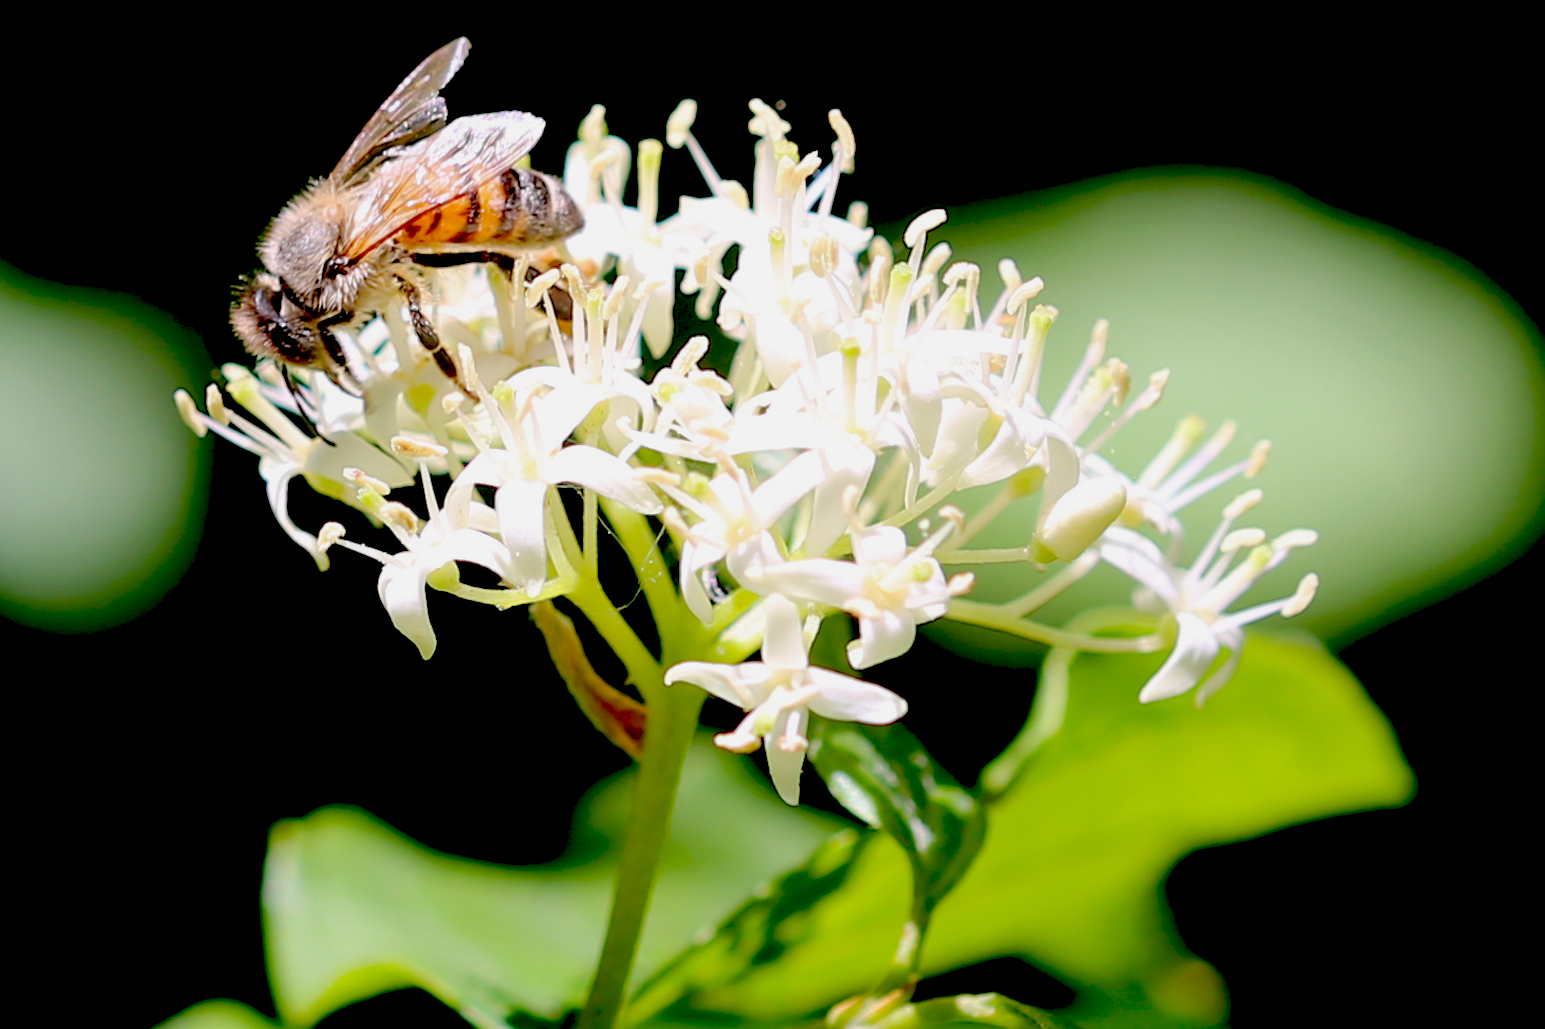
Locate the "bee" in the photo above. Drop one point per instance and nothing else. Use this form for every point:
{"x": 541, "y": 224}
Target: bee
{"x": 411, "y": 192}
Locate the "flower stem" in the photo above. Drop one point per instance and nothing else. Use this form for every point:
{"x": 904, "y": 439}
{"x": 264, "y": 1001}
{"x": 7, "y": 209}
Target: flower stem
{"x": 672, "y": 719}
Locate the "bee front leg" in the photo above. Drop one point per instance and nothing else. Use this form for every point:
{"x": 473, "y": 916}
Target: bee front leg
{"x": 428, "y": 338}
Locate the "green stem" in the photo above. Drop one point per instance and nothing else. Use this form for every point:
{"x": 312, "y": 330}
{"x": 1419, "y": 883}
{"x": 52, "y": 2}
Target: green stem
{"x": 672, "y": 719}
{"x": 992, "y": 616}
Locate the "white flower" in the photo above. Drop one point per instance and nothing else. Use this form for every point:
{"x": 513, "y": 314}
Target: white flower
{"x": 888, "y": 587}
{"x": 447, "y": 536}
{"x": 1198, "y": 596}
{"x": 779, "y": 691}
{"x": 285, "y": 452}
{"x": 531, "y": 460}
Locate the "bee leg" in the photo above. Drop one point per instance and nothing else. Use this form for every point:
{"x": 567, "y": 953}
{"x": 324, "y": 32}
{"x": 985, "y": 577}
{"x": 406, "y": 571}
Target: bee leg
{"x": 339, "y": 365}
{"x": 428, "y": 338}
{"x": 300, "y": 403}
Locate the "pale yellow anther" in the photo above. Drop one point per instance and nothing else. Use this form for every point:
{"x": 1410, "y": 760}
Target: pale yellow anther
{"x": 954, "y": 516}
{"x": 647, "y": 287}
{"x": 786, "y": 183}
{"x": 657, "y": 476}
{"x": 400, "y": 516}
{"x": 960, "y": 271}
{"x": 1242, "y": 503}
{"x": 1295, "y": 538}
{"x": 615, "y": 297}
{"x": 1101, "y": 332}
{"x": 417, "y": 449}
{"x": 921, "y": 226}
{"x": 467, "y": 365}
{"x": 538, "y": 287}
{"x": 845, "y": 138}
{"x": 188, "y": 410}
{"x": 858, "y": 214}
{"x": 691, "y": 353}
{"x": 765, "y": 121}
{"x": 936, "y": 259}
{"x": 823, "y": 254}
{"x": 680, "y": 123}
{"x": 1120, "y": 379}
{"x": 1008, "y": 271}
{"x": 328, "y": 534}
{"x": 359, "y": 479}
{"x": 1024, "y": 292}
{"x": 1307, "y": 587}
{"x": 1239, "y": 539}
{"x": 576, "y": 283}
{"x": 735, "y": 193}
{"x": 808, "y": 165}
{"x": 673, "y": 522}
{"x": 451, "y": 401}
{"x": 1258, "y": 455}
{"x": 593, "y": 128}
{"x": 960, "y": 584}
{"x": 214, "y": 403}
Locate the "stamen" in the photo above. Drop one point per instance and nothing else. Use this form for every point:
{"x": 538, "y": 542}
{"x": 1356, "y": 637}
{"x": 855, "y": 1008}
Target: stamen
{"x": 847, "y": 146}
{"x": 189, "y": 412}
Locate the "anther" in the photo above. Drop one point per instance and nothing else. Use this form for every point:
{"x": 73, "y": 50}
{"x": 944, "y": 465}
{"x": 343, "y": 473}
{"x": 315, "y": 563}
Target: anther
{"x": 189, "y": 412}
{"x": 680, "y": 123}
{"x": 1258, "y": 455}
{"x": 330, "y": 533}
{"x": 417, "y": 450}
{"x": 845, "y": 140}
{"x": 923, "y": 224}
{"x": 1242, "y": 503}
{"x": 1307, "y": 587}
{"x": 214, "y": 403}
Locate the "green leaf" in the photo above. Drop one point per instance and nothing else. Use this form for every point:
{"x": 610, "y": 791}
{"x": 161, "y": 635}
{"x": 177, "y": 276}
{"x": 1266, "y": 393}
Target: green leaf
{"x": 1331, "y": 336}
{"x": 1071, "y": 872}
{"x": 886, "y": 777}
{"x": 353, "y": 908}
{"x": 758, "y": 933}
{"x": 217, "y": 1014}
{"x": 972, "y": 1009}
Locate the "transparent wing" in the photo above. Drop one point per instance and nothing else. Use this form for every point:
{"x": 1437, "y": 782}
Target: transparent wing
{"x": 431, "y": 173}
{"x": 413, "y": 111}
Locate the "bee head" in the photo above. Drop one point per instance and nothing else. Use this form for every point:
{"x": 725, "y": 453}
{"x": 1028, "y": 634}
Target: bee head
{"x": 270, "y": 325}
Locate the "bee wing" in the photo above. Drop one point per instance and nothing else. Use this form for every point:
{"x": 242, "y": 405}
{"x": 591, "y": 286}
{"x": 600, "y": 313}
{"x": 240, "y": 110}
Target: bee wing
{"x": 413, "y": 111}
{"x": 432, "y": 172}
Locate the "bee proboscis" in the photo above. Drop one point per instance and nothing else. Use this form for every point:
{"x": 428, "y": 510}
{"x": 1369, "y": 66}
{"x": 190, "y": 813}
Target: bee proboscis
{"x": 412, "y": 191}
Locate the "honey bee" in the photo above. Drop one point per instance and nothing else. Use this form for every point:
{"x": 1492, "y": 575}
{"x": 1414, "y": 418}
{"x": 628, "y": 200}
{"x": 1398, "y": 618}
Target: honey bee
{"x": 410, "y": 192}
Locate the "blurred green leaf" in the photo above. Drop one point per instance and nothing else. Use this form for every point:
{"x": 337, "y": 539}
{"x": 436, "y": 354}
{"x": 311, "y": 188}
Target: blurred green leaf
{"x": 353, "y": 908}
{"x": 885, "y": 776}
{"x": 758, "y": 933}
{"x": 1403, "y": 392}
{"x": 105, "y": 487}
{"x": 217, "y": 1014}
{"x": 1078, "y": 847}
{"x": 972, "y": 1009}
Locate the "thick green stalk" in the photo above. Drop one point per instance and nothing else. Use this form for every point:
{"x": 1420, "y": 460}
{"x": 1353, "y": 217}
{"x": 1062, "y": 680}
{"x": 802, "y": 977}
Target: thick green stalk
{"x": 672, "y": 719}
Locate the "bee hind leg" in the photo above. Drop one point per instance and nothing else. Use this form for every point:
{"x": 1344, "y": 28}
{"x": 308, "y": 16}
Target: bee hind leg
{"x": 428, "y": 338}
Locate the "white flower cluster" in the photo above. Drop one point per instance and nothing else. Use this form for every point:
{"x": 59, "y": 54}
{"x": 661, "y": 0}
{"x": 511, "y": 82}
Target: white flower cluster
{"x": 867, "y": 391}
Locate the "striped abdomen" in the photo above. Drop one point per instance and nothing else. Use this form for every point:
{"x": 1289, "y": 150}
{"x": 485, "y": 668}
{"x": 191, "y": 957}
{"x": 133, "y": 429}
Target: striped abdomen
{"x": 518, "y": 208}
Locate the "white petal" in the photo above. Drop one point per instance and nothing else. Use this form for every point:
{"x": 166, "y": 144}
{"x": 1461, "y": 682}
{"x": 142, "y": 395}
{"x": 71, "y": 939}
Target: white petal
{"x": 881, "y": 639}
{"x": 783, "y": 641}
{"x": 1195, "y": 649}
{"x": 401, "y": 590}
{"x": 522, "y": 526}
{"x": 847, "y": 699}
{"x": 784, "y": 766}
{"x": 605, "y": 473}
{"x": 744, "y": 685}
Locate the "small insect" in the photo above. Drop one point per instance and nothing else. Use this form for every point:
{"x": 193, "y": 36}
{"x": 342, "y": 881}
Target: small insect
{"x": 410, "y": 192}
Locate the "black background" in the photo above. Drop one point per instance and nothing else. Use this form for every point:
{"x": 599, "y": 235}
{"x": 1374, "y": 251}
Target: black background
{"x": 149, "y": 761}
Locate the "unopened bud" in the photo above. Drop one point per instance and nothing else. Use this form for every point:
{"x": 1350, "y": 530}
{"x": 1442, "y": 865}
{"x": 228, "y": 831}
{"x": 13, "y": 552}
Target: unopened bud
{"x": 1081, "y": 515}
